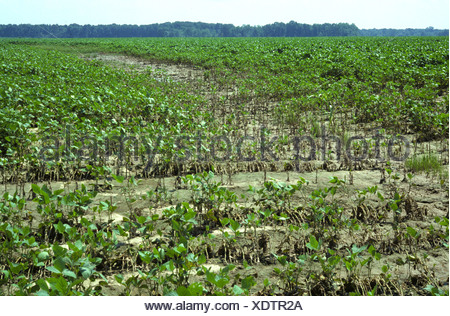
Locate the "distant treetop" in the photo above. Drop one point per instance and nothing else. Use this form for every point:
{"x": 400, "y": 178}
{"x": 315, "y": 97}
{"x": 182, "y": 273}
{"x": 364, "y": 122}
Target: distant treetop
{"x": 199, "y": 29}
{"x": 179, "y": 29}
{"x": 429, "y": 31}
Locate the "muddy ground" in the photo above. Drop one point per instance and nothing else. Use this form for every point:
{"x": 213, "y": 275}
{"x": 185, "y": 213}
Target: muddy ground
{"x": 429, "y": 196}
{"x": 425, "y": 196}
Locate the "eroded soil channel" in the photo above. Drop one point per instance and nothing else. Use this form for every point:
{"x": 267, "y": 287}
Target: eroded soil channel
{"x": 413, "y": 263}
{"x": 177, "y": 73}
{"x": 275, "y": 210}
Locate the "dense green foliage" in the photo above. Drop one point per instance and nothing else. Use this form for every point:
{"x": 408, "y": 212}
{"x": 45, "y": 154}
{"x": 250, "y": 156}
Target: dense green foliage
{"x": 65, "y": 105}
{"x": 179, "y": 29}
{"x": 429, "y": 31}
{"x": 398, "y": 84}
{"x": 401, "y": 77}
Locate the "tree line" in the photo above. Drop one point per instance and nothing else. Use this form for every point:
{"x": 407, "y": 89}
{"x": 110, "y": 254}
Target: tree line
{"x": 429, "y": 31}
{"x": 200, "y": 29}
{"x": 179, "y": 29}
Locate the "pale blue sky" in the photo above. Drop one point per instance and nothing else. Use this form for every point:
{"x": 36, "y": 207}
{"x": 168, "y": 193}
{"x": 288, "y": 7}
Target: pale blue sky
{"x": 364, "y": 13}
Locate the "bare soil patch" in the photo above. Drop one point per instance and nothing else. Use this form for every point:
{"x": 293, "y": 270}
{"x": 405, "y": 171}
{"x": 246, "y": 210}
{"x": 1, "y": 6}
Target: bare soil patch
{"x": 177, "y": 73}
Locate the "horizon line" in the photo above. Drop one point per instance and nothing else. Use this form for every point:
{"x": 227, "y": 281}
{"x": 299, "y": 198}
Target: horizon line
{"x": 214, "y": 23}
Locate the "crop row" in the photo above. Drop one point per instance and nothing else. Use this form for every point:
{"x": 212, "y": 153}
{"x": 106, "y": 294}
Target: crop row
{"x": 61, "y": 243}
{"x": 54, "y": 105}
{"x": 397, "y": 83}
